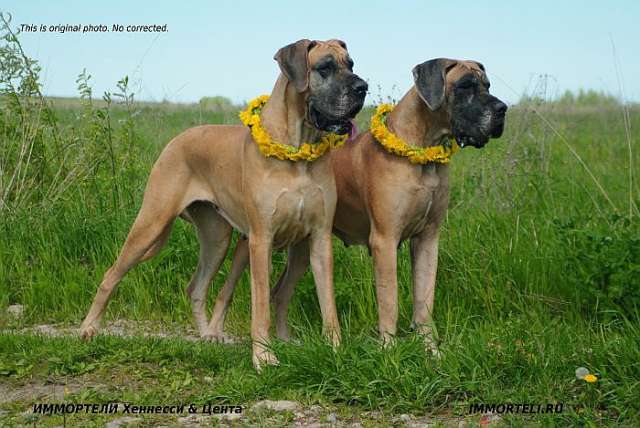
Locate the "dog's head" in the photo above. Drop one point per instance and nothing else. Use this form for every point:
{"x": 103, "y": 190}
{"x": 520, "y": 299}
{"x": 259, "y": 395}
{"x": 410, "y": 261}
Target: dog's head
{"x": 323, "y": 73}
{"x": 462, "y": 88}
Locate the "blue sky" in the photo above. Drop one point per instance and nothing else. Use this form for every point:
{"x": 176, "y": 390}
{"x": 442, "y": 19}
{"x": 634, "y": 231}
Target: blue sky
{"x": 226, "y": 47}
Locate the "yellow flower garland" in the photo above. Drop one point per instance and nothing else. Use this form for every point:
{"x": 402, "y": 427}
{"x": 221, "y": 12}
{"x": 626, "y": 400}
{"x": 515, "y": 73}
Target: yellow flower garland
{"x": 268, "y": 147}
{"x": 394, "y": 144}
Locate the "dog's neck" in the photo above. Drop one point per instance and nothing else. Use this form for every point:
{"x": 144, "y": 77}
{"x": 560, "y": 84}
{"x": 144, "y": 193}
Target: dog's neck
{"x": 416, "y": 124}
{"x": 284, "y": 116}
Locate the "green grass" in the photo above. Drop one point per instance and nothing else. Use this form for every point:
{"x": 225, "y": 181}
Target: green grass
{"x": 516, "y": 360}
{"x": 538, "y": 275}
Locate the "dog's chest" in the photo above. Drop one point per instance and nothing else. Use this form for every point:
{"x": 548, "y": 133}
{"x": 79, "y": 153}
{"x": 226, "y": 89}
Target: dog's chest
{"x": 298, "y": 209}
{"x": 420, "y": 194}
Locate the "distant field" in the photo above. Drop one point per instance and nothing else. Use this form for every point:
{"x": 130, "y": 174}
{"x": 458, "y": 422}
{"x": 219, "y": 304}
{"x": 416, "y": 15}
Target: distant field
{"x": 539, "y": 275}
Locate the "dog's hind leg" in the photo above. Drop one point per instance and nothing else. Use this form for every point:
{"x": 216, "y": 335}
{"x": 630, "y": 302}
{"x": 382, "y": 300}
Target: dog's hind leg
{"x": 147, "y": 235}
{"x": 158, "y": 244}
{"x": 281, "y": 294}
{"x": 214, "y": 235}
{"x": 215, "y": 331}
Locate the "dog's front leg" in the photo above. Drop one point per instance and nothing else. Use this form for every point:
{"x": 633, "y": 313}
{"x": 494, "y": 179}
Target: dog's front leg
{"x": 260, "y": 263}
{"x": 384, "y": 251}
{"x": 322, "y": 267}
{"x": 424, "y": 265}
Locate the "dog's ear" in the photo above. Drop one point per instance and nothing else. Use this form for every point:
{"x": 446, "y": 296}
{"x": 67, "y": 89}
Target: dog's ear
{"x": 293, "y": 60}
{"x": 429, "y": 78}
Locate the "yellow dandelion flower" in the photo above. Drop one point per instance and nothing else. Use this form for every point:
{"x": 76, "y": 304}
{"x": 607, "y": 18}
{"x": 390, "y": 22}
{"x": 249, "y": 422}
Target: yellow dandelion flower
{"x": 590, "y": 378}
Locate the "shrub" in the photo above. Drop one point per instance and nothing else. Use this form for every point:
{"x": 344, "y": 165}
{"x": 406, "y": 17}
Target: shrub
{"x": 603, "y": 265}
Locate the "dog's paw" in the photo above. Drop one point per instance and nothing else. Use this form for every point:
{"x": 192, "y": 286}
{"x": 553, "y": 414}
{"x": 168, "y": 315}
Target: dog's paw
{"x": 218, "y": 337}
{"x": 87, "y": 332}
{"x": 388, "y": 340}
{"x": 333, "y": 336}
{"x": 283, "y": 334}
{"x": 264, "y": 358}
{"x": 431, "y": 347}
{"x": 430, "y": 343}
{"x": 288, "y": 338}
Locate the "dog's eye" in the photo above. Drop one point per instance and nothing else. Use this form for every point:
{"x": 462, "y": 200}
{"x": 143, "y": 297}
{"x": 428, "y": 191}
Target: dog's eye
{"x": 466, "y": 84}
{"x": 324, "y": 69}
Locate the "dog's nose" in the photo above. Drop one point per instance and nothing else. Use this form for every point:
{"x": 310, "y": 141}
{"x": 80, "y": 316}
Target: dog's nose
{"x": 360, "y": 86}
{"x": 500, "y": 107}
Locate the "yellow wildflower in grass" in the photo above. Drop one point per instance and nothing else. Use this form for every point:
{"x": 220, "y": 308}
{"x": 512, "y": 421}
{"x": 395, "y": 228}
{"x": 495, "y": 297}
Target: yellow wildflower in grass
{"x": 590, "y": 378}
{"x": 394, "y": 144}
{"x": 583, "y": 374}
{"x": 269, "y": 148}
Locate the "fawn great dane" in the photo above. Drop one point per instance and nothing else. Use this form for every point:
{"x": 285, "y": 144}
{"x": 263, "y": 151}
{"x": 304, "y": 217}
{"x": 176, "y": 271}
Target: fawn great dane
{"x": 216, "y": 177}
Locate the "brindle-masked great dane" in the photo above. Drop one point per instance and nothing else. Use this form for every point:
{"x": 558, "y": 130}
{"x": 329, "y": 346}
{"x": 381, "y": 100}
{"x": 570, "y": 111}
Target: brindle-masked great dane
{"x": 216, "y": 177}
{"x": 383, "y": 199}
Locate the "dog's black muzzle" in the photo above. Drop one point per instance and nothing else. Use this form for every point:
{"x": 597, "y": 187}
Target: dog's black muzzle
{"x": 338, "y": 120}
